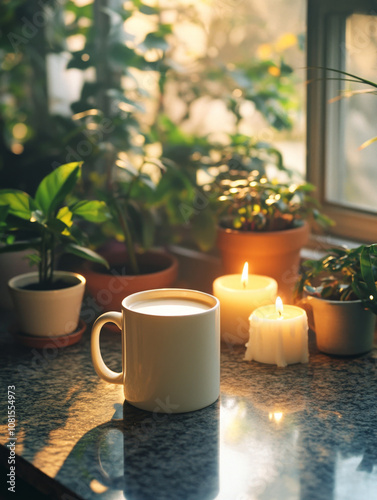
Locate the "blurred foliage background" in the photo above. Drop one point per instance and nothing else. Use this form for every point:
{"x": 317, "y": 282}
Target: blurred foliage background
{"x": 136, "y": 88}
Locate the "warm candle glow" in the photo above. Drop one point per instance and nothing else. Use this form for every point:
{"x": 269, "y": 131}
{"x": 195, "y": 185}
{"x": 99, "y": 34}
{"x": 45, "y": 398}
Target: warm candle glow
{"x": 239, "y": 295}
{"x": 245, "y": 274}
{"x": 279, "y": 306}
{"x": 276, "y": 416}
{"x": 278, "y": 335}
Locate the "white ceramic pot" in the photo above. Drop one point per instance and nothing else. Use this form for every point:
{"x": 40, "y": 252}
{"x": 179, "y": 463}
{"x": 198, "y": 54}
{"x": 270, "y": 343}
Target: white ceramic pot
{"x": 11, "y": 264}
{"x": 49, "y": 313}
{"x": 343, "y": 328}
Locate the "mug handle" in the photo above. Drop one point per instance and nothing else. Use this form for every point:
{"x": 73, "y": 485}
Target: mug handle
{"x": 99, "y": 365}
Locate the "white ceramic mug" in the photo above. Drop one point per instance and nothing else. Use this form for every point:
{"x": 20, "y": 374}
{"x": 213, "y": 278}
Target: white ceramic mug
{"x": 170, "y": 349}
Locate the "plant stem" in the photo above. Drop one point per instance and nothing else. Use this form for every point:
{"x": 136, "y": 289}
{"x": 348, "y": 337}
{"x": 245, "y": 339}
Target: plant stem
{"x": 40, "y": 272}
{"x": 52, "y": 259}
{"x": 45, "y": 259}
{"x": 43, "y": 262}
{"x": 104, "y": 75}
{"x": 128, "y": 238}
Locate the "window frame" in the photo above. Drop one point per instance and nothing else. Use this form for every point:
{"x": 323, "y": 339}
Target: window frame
{"x": 351, "y": 223}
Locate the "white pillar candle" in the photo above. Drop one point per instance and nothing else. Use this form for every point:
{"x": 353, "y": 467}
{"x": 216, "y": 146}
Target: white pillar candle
{"x": 239, "y": 295}
{"x": 278, "y": 335}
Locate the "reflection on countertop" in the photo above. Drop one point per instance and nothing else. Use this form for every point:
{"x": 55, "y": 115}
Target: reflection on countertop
{"x": 301, "y": 432}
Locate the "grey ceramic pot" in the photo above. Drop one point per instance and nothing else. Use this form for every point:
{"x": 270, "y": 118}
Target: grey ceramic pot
{"x": 343, "y": 328}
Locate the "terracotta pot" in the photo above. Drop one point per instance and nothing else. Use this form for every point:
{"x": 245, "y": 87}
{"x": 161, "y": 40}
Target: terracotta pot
{"x": 109, "y": 288}
{"x": 47, "y": 313}
{"x": 274, "y": 253}
{"x": 343, "y": 328}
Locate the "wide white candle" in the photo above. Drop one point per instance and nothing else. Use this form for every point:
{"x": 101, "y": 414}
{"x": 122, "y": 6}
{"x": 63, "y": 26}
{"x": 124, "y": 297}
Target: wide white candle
{"x": 278, "y": 336}
{"x": 238, "y": 298}
{"x": 169, "y": 307}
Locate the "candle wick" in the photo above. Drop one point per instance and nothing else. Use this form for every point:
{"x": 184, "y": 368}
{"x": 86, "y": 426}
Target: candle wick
{"x": 244, "y": 284}
{"x": 279, "y": 313}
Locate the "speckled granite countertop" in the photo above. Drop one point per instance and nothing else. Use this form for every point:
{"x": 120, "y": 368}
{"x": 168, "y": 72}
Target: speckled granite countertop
{"x": 302, "y": 432}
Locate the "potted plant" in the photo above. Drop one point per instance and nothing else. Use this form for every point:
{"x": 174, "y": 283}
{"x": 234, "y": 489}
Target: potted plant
{"x": 342, "y": 297}
{"x": 135, "y": 201}
{"x": 47, "y": 301}
{"x": 262, "y": 220}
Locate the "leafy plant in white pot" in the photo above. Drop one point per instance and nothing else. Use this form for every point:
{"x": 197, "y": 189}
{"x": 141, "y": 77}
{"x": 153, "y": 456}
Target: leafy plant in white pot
{"x": 48, "y": 302}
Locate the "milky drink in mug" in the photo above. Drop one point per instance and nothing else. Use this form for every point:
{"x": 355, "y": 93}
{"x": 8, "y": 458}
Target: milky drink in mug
{"x": 170, "y": 349}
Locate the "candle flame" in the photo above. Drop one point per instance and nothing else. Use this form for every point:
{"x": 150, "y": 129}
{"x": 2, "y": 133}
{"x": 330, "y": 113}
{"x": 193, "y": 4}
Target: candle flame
{"x": 245, "y": 274}
{"x": 279, "y": 306}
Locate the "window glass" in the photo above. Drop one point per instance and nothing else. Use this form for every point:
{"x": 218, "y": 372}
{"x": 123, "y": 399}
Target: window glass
{"x": 351, "y": 174}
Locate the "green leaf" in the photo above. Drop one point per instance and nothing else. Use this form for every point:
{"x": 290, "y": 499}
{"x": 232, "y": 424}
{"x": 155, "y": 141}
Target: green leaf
{"x": 19, "y": 203}
{"x": 86, "y": 253}
{"x": 93, "y": 211}
{"x": 58, "y": 226}
{"x": 3, "y": 213}
{"x": 367, "y": 269}
{"x": 80, "y": 10}
{"x": 311, "y": 290}
{"x": 14, "y": 223}
{"x": 323, "y": 220}
{"x": 55, "y": 186}
{"x": 124, "y": 56}
{"x": 306, "y": 187}
{"x": 78, "y": 62}
{"x": 327, "y": 291}
{"x": 353, "y": 77}
{"x": 21, "y": 245}
{"x": 34, "y": 259}
{"x": 146, "y": 181}
{"x": 368, "y": 143}
{"x": 147, "y": 10}
{"x": 37, "y": 216}
{"x": 155, "y": 41}
{"x": 65, "y": 215}
{"x": 285, "y": 68}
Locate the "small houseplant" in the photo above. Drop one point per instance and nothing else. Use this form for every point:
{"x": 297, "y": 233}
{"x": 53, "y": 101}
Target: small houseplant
{"x": 48, "y": 302}
{"x": 262, "y": 220}
{"x": 341, "y": 291}
{"x": 137, "y": 202}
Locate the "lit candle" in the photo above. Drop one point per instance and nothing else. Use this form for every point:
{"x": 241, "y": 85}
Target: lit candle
{"x": 278, "y": 335}
{"x": 239, "y": 295}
